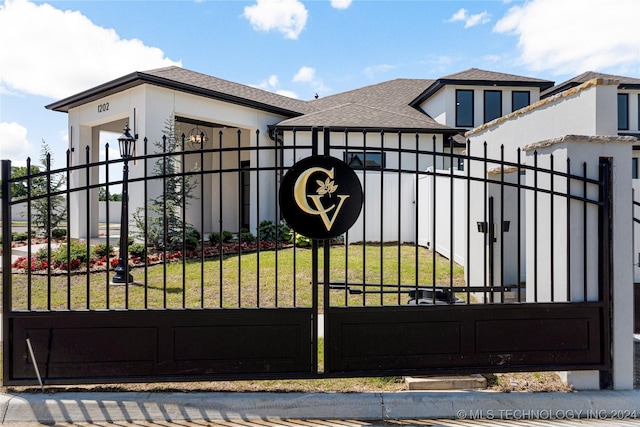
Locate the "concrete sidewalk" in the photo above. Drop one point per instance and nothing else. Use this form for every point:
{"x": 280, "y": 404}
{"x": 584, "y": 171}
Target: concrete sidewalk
{"x": 87, "y": 407}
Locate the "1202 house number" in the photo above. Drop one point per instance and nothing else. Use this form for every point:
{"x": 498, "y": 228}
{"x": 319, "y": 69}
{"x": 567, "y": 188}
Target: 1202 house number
{"x": 103, "y": 107}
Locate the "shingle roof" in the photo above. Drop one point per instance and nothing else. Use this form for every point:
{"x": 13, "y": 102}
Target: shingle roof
{"x": 363, "y": 116}
{"x": 625, "y": 82}
{"x": 218, "y": 85}
{"x": 192, "y": 82}
{"x": 383, "y": 105}
{"x": 478, "y": 75}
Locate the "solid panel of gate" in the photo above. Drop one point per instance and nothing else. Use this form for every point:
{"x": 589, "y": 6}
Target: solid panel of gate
{"x": 409, "y": 291}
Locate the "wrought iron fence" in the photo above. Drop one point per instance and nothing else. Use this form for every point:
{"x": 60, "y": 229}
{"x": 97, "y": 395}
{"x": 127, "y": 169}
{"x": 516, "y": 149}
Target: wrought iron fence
{"x": 429, "y": 233}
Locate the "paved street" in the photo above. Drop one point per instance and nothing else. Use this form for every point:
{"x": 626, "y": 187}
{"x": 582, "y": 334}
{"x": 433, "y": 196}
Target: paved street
{"x": 351, "y": 423}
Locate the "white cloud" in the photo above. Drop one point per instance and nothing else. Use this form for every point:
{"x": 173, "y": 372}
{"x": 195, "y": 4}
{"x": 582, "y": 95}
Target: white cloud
{"x": 287, "y": 16}
{"x": 14, "y": 143}
{"x": 340, "y": 4}
{"x": 573, "y": 36}
{"x": 271, "y": 83}
{"x": 470, "y": 20}
{"x": 305, "y": 74}
{"x": 289, "y": 93}
{"x": 460, "y": 15}
{"x": 55, "y": 53}
{"x": 308, "y": 75}
{"x": 273, "y": 80}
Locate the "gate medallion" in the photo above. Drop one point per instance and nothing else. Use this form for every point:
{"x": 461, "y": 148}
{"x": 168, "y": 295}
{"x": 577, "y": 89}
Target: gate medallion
{"x": 320, "y": 197}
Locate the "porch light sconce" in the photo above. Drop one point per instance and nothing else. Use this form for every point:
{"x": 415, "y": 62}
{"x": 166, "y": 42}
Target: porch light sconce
{"x": 482, "y": 227}
{"x": 197, "y": 138}
{"x": 127, "y": 144}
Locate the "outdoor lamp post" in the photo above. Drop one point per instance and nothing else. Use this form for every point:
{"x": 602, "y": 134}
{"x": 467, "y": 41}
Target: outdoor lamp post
{"x": 127, "y": 144}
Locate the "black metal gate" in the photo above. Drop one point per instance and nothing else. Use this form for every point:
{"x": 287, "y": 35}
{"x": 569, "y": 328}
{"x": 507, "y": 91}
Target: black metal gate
{"x": 225, "y": 303}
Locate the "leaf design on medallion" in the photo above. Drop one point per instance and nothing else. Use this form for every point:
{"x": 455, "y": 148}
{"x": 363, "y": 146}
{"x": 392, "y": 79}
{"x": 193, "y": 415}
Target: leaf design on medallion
{"x": 326, "y": 187}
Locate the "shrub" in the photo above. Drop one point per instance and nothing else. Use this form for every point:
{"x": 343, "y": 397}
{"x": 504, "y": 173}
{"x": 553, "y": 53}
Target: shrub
{"x": 246, "y": 236}
{"x": 77, "y": 251}
{"x": 19, "y": 237}
{"x": 138, "y": 250}
{"x": 270, "y": 232}
{"x": 192, "y": 232}
{"x": 191, "y": 243}
{"x": 299, "y": 240}
{"x": 58, "y": 233}
{"x": 214, "y": 238}
{"x": 103, "y": 250}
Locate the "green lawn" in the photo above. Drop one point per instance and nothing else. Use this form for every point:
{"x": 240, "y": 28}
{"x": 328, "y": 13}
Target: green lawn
{"x": 267, "y": 279}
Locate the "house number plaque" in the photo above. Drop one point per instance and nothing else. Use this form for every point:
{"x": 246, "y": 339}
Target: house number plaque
{"x": 320, "y": 197}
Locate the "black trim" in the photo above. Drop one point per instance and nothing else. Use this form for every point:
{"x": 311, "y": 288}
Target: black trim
{"x": 446, "y": 131}
{"x": 440, "y": 83}
{"x": 513, "y": 98}
{"x": 626, "y": 113}
{"x": 473, "y": 112}
{"x": 484, "y": 104}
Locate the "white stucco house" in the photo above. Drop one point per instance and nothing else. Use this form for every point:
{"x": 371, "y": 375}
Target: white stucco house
{"x": 442, "y": 109}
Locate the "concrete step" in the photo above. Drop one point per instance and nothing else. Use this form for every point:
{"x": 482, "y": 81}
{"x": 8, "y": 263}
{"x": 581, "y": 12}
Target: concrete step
{"x": 453, "y": 382}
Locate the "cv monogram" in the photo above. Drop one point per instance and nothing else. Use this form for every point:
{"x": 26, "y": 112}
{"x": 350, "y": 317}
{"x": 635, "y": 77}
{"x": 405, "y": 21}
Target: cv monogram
{"x": 326, "y": 188}
{"x": 320, "y": 197}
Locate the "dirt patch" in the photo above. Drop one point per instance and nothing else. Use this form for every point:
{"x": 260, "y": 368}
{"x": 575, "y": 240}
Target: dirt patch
{"x": 511, "y": 382}
{"x": 527, "y": 381}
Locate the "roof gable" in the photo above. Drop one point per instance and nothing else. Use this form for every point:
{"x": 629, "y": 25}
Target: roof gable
{"x": 478, "y": 77}
{"x": 191, "y": 82}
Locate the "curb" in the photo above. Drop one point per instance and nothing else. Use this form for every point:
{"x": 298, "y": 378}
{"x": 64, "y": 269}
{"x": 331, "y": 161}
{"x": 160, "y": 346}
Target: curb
{"x": 172, "y": 407}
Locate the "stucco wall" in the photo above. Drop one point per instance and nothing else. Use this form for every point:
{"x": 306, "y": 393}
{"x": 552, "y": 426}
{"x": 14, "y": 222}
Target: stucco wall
{"x": 589, "y": 109}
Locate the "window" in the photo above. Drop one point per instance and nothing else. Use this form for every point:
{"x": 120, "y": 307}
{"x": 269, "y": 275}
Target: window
{"x": 634, "y": 168}
{"x": 464, "y": 108}
{"x": 519, "y": 99}
{"x": 362, "y": 160}
{"x": 492, "y": 105}
{"x": 623, "y": 111}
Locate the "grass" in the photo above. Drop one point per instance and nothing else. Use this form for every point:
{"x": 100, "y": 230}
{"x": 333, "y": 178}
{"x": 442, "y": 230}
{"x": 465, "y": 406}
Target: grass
{"x": 266, "y": 279}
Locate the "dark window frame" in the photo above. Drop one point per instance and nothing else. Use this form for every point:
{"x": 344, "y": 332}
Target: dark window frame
{"x": 634, "y": 168}
{"x": 460, "y": 123}
{"x": 349, "y": 157}
{"x": 484, "y": 104}
{"x": 623, "y": 125}
{"x": 513, "y": 99}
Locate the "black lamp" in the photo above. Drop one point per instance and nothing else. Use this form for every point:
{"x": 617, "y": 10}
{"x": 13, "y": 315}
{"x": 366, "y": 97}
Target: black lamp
{"x": 127, "y": 144}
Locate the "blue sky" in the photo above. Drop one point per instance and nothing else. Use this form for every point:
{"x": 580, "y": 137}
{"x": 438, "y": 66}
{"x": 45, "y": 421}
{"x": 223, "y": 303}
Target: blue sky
{"x": 50, "y": 50}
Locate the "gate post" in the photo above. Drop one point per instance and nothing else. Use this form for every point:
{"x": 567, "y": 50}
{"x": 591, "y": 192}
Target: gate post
{"x": 582, "y": 272}
{"x": 5, "y": 169}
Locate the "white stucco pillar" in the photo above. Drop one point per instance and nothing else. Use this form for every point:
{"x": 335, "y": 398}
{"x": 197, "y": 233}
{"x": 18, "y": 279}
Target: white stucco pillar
{"x": 584, "y": 150}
